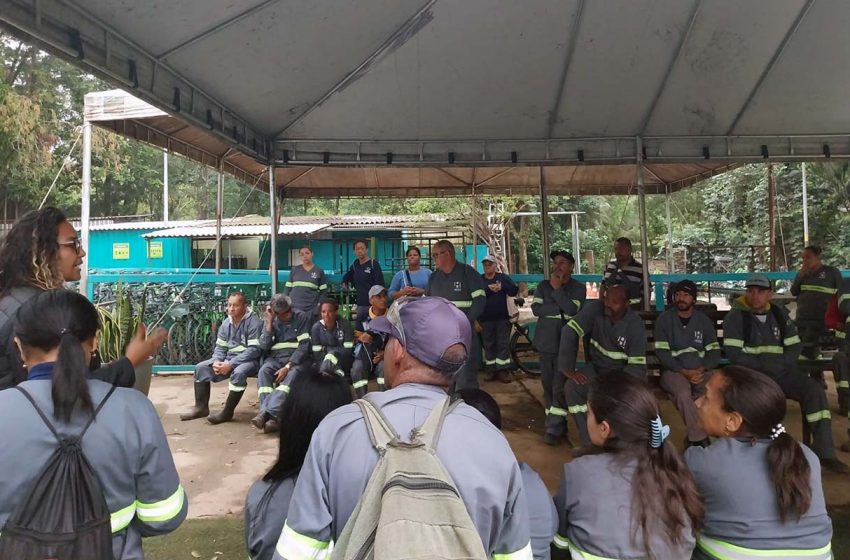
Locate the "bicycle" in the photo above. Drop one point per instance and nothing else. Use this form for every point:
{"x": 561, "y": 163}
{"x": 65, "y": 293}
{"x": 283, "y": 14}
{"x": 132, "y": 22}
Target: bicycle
{"x": 523, "y": 354}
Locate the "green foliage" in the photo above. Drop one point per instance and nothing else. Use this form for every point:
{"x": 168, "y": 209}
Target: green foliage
{"x": 119, "y": 321}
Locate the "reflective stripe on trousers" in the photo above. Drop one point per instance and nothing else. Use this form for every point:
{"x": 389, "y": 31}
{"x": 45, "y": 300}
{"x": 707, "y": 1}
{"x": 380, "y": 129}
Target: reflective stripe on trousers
{"x": 727, "y": 551}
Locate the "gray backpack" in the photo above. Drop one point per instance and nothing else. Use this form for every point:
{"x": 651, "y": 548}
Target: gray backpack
{"x": 410, "y": 508}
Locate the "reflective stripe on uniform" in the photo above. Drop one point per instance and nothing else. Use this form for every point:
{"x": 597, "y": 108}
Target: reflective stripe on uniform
{"x": 264, "y": 390}
{"x": 564, "y": 543}
{"x": 767, "y": 349}
{"x": 302, "y": 336}
{"x": 477, "y": 293}
{"x": 818, "y": 416}
{"x": 253, "y": 342}
{"x": 331, "y": 358}
{"x": 577, "y": 302}
{"x": 283, "y": 388}
{"x": 282, "y": 345}
{"x": 380, "y": 381}
{"x": 727, "y": 551}
{"x": 843, "y": 384}
{"x": 577, "y": 409}
{"x": 361, "y": 383}
{"x": 236, "y": 388}
{"x": 576, "y": 327}
{"x": 238, "y": 349}
{"x": 323, "y": 287}
{"x": 164, "y": 510}
{"x": 295, "y": 546}
{"x": 733, "y": 342}
{"x": 121, "y": 518}
{"x": 637, "y": 360}
{"x": 221, "y": 342}
{"x": 634, "y": 301}
{"x": 791, "y": 340}
{"x": 462, "y": 304}
{"x": 302, "y": 284}
{"x": 821, "y": 289}
{"x": 317, "y": 348}
{"x": 555, "y": 411}
{"x": 537, "y": 300}
{"x": 523, "y": 554}
{"x": 613, "y": 354}
{"x": 691, "y": 349}
{"x": 348, "y": 345}
{"x": 839, "y": 334}
{"x": 712, "y": 346}
{"x": 503, "y": 361}
{"x": 843, "y": 297}
{"x": 557, "y": 317}
{"x": 662, "y": 345}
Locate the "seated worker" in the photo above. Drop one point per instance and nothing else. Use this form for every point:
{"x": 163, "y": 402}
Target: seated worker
{"x": 841, "y": 359}
{"x": 555, "y": 303}
{"x": 686, "y": 345}
{"x": 762, "y": 490}
{"x": 542, "y": 517}
{"x": 286, "y": 339}
{"x": 332, "y": 341}
{"x": 306, "y": 285}
{"x": 762, "y": 337}
{"x": 369, "y": 350}
{"x": 495, "y": 321}
{"x": 625, "y": 265}
{"x": 236, "y": 357}
{"x": 616, "y": 341}
{"x": 413, "y": 280}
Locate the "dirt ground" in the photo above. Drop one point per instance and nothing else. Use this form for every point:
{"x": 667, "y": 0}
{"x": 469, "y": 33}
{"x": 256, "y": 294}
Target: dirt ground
{"x": 217, "y": 464}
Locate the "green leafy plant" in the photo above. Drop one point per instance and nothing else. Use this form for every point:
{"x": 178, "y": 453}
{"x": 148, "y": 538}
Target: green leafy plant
{"x": 119, "y": 321}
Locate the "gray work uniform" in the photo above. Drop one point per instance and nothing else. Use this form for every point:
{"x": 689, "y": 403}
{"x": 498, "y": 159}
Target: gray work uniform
{"x": 305, "y": 289}
{"x": 741, "y": 509}
{"x": 266, "y": 508}
{"x": 496, "y": 323}
{"x": 332, "y": 348}
{"x": 238, "y": 345}
{"x": 841, "y": 359}
{"x": 814, "y": 290}
{"x": 594, "y": 504}
{"x": 542, "y": 516}
{"x": 126, "y": 446}
{"x": 619, "y": 347}
{"x": 288, "y": 344}
{"x": 689, "y": 345}
{"x": 363, "y": 364}
{"x": 768, "y": 352}
{"x": 553, "y": 308}
{"x": 464, "y": 287}
{"x": 341, "y": 458}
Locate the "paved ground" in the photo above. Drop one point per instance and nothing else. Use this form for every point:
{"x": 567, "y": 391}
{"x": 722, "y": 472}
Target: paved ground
{"x": 217, "y": 464}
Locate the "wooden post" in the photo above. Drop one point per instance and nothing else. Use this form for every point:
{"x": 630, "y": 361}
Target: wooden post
{"x": 771, "y": 214}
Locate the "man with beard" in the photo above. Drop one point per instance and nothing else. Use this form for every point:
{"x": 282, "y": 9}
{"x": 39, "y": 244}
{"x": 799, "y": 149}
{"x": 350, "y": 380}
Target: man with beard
{"x": 686, "y": 345}
{"x": 615, "y": 342}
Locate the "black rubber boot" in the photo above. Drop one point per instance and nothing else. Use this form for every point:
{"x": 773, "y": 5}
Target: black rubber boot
{"x": 226, "y": 413}
{"x": 259, "y": 421}
{"x": 271, "y": 427}
{"x": 202, "y": 402}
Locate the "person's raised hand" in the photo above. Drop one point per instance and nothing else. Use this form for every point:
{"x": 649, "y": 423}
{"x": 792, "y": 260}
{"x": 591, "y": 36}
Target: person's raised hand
{"x": 577, "y": 377}
{"x": 143, "y": 346}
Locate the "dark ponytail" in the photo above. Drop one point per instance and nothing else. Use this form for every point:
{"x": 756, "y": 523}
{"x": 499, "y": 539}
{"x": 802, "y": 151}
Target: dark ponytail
{"x": 761, "y": 404}
{"x": 664, "y": 494}
{"x": 61, "y": 319}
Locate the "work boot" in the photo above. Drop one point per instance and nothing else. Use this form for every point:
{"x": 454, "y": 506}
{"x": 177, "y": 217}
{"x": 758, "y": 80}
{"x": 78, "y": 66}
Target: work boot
{"x": 505, "y": 376}
{"x": 202, "y": 402}
{"x": 226, "y": 413}
{"x": 846, "y": 445}
{"x": 271, "y": 427}
{"x": 259, "y": 421}
{"x": 835, "y": 465}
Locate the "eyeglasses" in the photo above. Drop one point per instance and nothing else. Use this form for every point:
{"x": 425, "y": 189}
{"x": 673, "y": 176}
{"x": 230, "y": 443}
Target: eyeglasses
{"x": 76, "y": 243}
{"x": 394, "y": 315}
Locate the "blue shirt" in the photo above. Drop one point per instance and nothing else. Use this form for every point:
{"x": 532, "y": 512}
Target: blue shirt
{"x": 363, "y": 276}
{"x": 418, "y": 279}
{"x": 43, "y": 370}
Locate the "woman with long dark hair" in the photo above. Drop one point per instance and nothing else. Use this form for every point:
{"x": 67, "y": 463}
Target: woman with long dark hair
{"x": 125, "y": 445}
{"x": 634, "y": 498}
{"x": 762, "y": 489}
{"x": 313, "y": 396}
{"x": 41, "y": 252}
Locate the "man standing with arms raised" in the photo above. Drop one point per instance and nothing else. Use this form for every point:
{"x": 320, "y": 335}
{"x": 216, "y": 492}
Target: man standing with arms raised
{"x": 463, "y": 286}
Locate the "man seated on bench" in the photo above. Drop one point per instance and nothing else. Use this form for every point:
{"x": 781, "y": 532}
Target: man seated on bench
{"x": 615, "y": 341}
{"x": 761, "y": 336}
{"x": 686, "y": 345}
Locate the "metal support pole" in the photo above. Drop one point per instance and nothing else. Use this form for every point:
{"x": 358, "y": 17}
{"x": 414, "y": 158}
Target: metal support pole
{"x": 576, "y": 242}
{"x": 805, "y": 209}
{"x": 474, "y": 231}
{"x": 670, "y": 262}
{"x": 644, "y": 243}
{"x": 85, "y": 205}
{"x": 219, "y": 206}
{"x": 273, "y": 229}
{"x": 771, "y": 214}
{"x": 544, "y": 221}
{"x": 165, "y": 186}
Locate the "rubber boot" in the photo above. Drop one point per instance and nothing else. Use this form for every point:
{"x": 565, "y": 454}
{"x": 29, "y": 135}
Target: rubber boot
{"x": 226, "y": 413}
{"x": 202, "y": 402}
{"x": 271, "y": 427}
{"x": 259, "y": 421}
{"x": 846, "y": 445}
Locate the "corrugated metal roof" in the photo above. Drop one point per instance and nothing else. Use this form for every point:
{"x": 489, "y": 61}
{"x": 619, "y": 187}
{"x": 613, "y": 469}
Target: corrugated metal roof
{"x": 132, "y": 226}
{"x": 237, "y": 230}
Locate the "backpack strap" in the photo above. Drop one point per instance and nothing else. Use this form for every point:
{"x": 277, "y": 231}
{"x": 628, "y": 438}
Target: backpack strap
{"x": 381, "y": 432}
{"x": 429, "y": 432}
{"x": 407, "y": 278}
{"x": 44, "y": 418}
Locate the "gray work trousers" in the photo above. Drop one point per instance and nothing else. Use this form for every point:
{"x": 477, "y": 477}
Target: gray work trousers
{"x": 553, "y": 394}
{"x": 683, "y": 393}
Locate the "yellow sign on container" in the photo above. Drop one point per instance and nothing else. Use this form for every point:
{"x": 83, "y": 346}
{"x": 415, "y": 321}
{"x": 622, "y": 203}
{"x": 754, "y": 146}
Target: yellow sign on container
{"x": 155, "y": 250}
{"x": 121, "y": 251}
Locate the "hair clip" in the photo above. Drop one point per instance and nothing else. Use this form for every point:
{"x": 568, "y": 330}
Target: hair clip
{"x": 659, "y": 432}
{"x": 776, "y": 431}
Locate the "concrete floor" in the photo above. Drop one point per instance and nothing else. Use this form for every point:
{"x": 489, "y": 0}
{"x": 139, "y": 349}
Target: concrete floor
{"x": 217, "y": 464}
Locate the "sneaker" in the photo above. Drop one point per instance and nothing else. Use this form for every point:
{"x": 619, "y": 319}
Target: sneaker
{"x": 835, "y": 465}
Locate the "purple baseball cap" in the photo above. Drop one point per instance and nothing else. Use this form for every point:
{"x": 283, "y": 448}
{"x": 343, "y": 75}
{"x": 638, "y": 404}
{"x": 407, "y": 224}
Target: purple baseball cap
{"x": 428, "y": 327}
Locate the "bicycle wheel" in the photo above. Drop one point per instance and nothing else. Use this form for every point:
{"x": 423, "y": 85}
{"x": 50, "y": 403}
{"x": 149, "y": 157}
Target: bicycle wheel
{"x": 523, "y": 354}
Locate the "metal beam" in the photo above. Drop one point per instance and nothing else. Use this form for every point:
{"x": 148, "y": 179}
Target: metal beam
{"x": 215, "y": 29}
{"x": 544, "y": 221}
{"x": 682, "y": 40}
{"x": 568, "y": 60}
{"x": 773, "y": 60}
{"x": 644, "y": 237}
{"x": 390, "y": 42}
{"x": 273, "y": 213}
{"x": 85, "y": 205}
{"x": 219, "y": 208}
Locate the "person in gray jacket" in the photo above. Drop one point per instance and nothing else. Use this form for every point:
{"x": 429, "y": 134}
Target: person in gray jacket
{"x": 306, "y": 285}
{"x": 841, "y": 359}
{"x": 126, "y": 445}
{"x": 615, "y": 342}
{"x": 236, "y": 358}
{"x": 555, "y": 302}
{"x": 762, "y": 490}
{"x": 686, "y": 345}
{"x": 429, "y": 341}
{"x": 634, "y": 498}
{"x": 332, "y": 341}
{"x": 286, "y": 341}
{"x": 314, "y": 396}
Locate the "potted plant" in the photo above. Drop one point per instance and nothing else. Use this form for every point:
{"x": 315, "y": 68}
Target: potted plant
{"x": 119, "y": 321}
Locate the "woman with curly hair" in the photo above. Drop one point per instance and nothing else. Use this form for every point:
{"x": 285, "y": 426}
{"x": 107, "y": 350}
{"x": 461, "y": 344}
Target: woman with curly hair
{"x": 41, "y": 252}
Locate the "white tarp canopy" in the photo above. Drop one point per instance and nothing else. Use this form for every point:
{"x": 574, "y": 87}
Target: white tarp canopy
{"x": 474, "y": 83}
